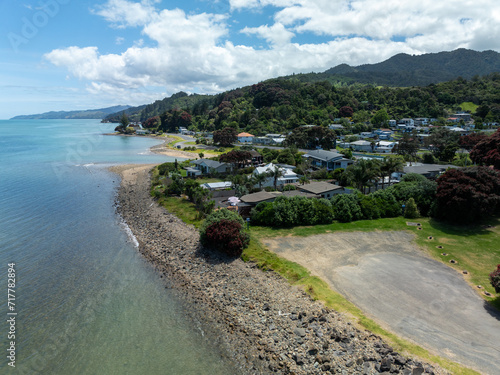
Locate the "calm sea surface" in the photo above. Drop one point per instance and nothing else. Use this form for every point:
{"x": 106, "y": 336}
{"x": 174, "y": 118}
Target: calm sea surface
{"x": 86, "y": 302}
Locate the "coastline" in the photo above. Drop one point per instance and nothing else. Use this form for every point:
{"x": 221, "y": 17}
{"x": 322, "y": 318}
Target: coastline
{"x": 257, "y": 319}
{"x": 162, "y": 148}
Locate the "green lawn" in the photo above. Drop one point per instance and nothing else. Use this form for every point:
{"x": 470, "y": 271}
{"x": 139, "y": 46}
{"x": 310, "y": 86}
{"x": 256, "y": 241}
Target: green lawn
{"x": 469, "y": 107}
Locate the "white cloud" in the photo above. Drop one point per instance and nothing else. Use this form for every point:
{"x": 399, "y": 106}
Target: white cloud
{"x": 187, "y": 51}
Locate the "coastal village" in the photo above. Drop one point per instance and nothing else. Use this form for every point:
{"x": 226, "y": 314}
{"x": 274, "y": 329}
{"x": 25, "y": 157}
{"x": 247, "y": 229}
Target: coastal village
{"x": 265, "y": 181}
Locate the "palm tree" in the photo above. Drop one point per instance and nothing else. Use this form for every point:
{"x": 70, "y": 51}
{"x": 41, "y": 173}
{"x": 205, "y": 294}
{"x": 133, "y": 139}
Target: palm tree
{"x": 304, "y": 180}
{"x": 259, "y": 179}
{"x": 389, "y": 166}
{"x": 275, "y": 172}
{"x": 363, "y": 172}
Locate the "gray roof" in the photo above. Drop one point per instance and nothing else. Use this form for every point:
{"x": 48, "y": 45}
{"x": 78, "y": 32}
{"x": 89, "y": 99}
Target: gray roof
{"x": 319, "y": 187}
{"x": 323, "y": 155}
{"x": 261, "y": 196}
{"x": 209, "y": 163}
{"x": 295, "y": 193}
{"x": 427, "y": 168}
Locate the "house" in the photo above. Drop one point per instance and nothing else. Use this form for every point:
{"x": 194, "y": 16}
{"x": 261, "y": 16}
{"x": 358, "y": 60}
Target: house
{"x": 384, "y": 134}
{"x": 288, "y": 175}
{"x": 363, "y": 146}
{"x": 324, "y": 189}
{"x": 408, "y": 122}
{"x": 257, "y": 158}
{"x": 385, "y": 147}
{"x": 463, "y": 116}
{"x": 207, "y": 166}
{"x": 141, "y": 131}
{"x": 214, "y": 186}
{"x": 426, "y": 170}
{"x": 256, "y": 198}
{"x": 336, "y": 127}
{"x": 245, "y": 138}
{"x": 365, "y": 135}
{"x": 330, "y": 160}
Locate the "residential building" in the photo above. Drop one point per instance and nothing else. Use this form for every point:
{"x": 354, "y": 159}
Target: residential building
{"x": 321, "y": 188}
{"x": 207, "y": 166}
{"x": 363, "y": 146}
{"x": 288, "y": 175}
{"x": 330, "y": 160}
{"x": 245, "y": 138}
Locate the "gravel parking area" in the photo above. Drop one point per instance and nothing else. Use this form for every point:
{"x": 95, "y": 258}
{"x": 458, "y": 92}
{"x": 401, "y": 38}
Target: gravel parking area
{"x": 399, "y": 286}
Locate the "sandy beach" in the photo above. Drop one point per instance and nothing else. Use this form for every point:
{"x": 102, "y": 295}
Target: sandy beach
{"x": 257, "y": 319}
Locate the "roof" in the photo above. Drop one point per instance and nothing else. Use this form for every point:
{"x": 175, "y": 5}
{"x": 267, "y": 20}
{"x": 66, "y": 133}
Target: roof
{"x": 261, "y": 196}
{"x": 217, "y": 185}
{"x": 319, "y": 187}
{"x": 361, "y": 143}
{"x": 427, "y": 168}
{"x": 254, "y": 153}
{"x": 209, "y": 163}
{"x": 298, "y": 193}
{"x": 323, "y": 155}
{"x": 245, "y": 135}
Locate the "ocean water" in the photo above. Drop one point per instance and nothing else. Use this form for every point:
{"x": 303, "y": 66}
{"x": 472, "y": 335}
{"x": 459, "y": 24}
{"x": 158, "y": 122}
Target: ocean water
{"x": 86, "y": 302}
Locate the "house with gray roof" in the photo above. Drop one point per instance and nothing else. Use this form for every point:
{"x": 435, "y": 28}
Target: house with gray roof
{"x": 321, "y": 188}
{"x": 207, "y": 166}
{"x": 330, "y": 160}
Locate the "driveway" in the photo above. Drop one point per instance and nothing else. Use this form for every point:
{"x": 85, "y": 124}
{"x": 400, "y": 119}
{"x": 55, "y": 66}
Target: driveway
{"x": 396, "y": 284}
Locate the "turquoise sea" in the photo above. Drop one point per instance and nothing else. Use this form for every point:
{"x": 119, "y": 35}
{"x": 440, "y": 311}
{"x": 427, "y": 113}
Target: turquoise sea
{"x": 86, "y": 302}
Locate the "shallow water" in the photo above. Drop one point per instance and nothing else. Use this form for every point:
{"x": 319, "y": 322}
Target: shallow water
{"x": 86, "y": 302}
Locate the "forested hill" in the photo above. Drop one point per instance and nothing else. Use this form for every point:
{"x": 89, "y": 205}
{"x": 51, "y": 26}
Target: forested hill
{"x": 279, "y": 105}
{"x": 405, "y": 70}
{"x": 142, "y": 113}
{"x": 86, "y": 114}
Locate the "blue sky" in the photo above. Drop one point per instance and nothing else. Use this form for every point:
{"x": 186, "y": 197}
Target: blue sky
{"x": 69, "y": 54}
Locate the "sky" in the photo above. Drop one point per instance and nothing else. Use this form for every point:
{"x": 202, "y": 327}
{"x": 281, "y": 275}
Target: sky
{"x": 82, "y": 54}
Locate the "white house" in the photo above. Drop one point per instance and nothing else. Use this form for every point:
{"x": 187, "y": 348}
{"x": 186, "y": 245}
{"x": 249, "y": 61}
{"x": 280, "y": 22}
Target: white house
{"x": 385, "y": 147}
{"x": 361, "y": 146}
{"x": 365, "y": 135}
{"x": 245, "y": 138}
{"x": 207, "y": 166}
{"x": 288, "y": 175}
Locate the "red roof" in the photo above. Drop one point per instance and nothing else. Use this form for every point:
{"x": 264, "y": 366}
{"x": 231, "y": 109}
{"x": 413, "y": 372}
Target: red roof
{"x": 245, "y": 135}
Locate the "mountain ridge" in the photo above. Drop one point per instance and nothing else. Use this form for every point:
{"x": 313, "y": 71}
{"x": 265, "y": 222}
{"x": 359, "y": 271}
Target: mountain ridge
{"x": 97, "y": 114}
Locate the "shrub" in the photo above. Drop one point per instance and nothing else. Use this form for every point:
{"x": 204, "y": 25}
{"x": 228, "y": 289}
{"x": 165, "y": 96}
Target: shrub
{"x": 495, "y": 279}
{"x": 387, "y": 204}
{"x": 166, "y": 168}
{"x": 227, "y": 237}
{"x": 346, "y": 207}
{"x": 369, "y": 207}
{"x": 285, "y": 212}
{"x": 263, "y": 214}
{"x": 411, "y": 210}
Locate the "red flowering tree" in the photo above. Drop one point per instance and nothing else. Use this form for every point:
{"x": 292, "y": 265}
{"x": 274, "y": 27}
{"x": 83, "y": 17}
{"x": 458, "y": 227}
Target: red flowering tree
{"x": 346, "y": 111}
{"x": 487, "y": 151}
{"x": 495, "y": 279}
{"x": 468, "y": 195}
{"x": 223, "y": 230}
{"x": 226, "y": 136}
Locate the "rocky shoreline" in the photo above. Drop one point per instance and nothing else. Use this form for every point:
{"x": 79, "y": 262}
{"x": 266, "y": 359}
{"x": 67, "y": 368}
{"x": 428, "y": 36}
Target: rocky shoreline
{"x": 259, "y": 321}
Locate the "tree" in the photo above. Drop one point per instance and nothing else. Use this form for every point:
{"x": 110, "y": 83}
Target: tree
{"x": 236, "y": 158}
{"x": 304, "y": 180}
{"x": 286, "y": 157}
{"x": 487, "y": 151}
{"x": 389, "y": 166}
{"x": 411, "y": 210}
{"x": 224, "y": 231}
{"x": 361, "y": 173}
{"x": 346, "y": 111}
{"x": 124, "y": 122}
{"x": 152, "y": 122}
{"x": 201, "y": 155}
{"x": 311, "y": 138}
{"x": 495, "y": 279}
{"x": 443, "y": 143}
{"x": 346, "y": 207}
{"x": 259, "y": 179}
{"x": 380, "y": 118}
{"x": 467, "y": 195}
{"x": 408, "y": 146}
{"x": 225, "y": 137}
{"x": 275, "y": 173}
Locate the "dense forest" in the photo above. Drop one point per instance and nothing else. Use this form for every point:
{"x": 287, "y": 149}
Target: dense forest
{"x": 280, "y": 105}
